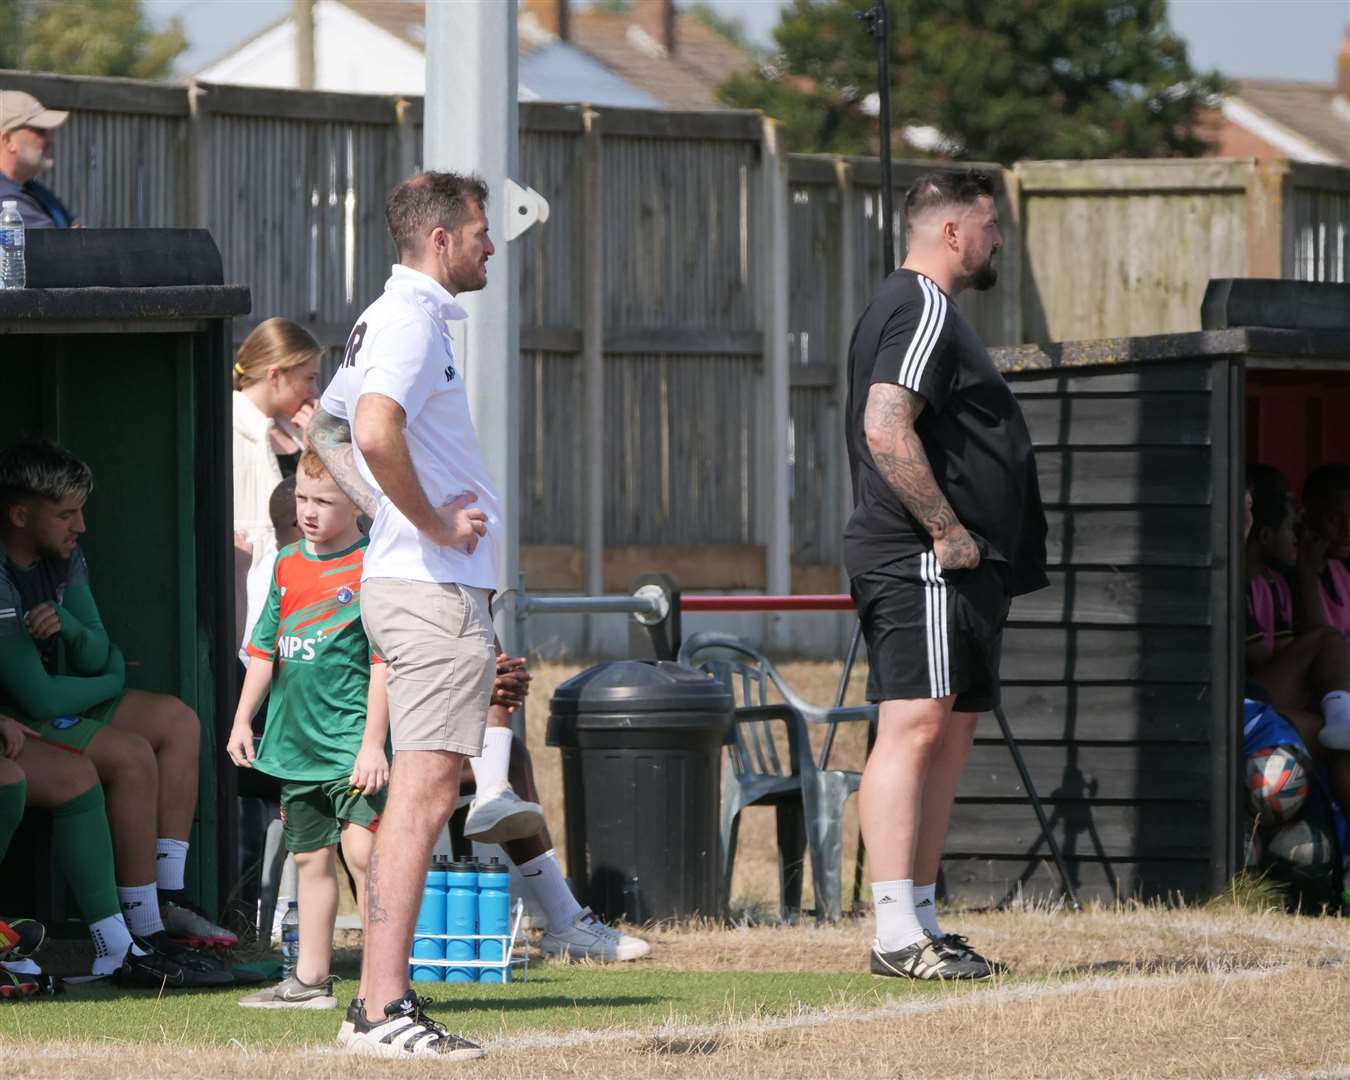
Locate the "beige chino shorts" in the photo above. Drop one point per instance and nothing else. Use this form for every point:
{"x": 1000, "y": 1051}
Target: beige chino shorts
{"x": 438, "y": 642}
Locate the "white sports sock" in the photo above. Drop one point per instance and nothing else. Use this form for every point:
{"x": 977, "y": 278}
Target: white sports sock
{"x": 897, "y": 925}
{"x": 140, "y": 905}
{"x": 112, "y": 939}
{"x": 543, "y": 878}
{"x": 1336, "y": 710}
{"x": 925, "y": 908}
{"x": 490, "y": 768}
{"x": 170, "y": 859}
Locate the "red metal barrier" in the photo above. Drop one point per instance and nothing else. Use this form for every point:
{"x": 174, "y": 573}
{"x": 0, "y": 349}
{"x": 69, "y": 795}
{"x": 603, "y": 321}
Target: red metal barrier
{"x": 803, "y": 602}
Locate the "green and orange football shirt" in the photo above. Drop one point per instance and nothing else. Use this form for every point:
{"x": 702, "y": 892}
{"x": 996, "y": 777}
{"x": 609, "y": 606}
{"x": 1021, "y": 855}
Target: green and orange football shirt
{"x": 310, "y": 628}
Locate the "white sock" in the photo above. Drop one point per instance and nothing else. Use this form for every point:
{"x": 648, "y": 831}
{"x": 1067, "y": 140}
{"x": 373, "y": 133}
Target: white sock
{"x": 543, "y": 878}
{"x": 22, "y": 967}
{"x": 490, "y": 768}
{"x": 112, "y": 939}
{"x": 170, "y": 859}
{"x": 925, "y": 908}
{"x": 140, "y": 905}
{"x": 1336, "y": 709}
{"x": 897, "y": 925}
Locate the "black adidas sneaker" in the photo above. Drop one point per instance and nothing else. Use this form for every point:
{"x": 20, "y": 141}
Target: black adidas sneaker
{"x": 957, "y": 944}
{"x": 407, "y": 1032}
{"x": 928, "y": 958}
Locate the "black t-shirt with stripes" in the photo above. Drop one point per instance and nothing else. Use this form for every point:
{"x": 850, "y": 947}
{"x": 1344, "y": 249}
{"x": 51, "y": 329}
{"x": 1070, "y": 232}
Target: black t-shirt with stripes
{"x": 972, "y": 430}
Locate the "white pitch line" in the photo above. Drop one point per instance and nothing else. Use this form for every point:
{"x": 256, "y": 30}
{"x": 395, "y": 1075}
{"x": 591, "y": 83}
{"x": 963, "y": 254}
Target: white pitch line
{"x": 819, "y": 1017}
{"x": 804, "y": 1019}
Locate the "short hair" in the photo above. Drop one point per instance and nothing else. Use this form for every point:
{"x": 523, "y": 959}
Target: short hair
{"x": 1325, "y": 483}
{"x": 1270, "y": 496}
{"x": 431, "y": 199}
{"x": 937, "y": 190}
{"x": 311, "y": 465}
{"x": 281, "y": 505}
{"x": 275, "y": 343}
{"x": 35, "y": 468}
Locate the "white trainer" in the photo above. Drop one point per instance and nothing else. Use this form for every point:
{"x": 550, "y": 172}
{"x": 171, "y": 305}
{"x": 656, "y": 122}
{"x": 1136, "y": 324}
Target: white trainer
{"x": 406, "y": 1032}
{"x": 501, "y": 815}
{"x": 590, "y": 939}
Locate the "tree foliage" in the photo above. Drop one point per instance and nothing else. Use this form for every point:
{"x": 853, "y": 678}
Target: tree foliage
{"x": 999, "y": 79}
{"x": 87, "y": 37}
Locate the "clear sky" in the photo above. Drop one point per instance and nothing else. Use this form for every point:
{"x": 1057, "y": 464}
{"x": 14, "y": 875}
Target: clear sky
{"x": 1278, "y": 39}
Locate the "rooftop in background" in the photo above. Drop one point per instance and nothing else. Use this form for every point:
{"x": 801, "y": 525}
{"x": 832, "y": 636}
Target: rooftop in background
{"x": 652, "y": 56}
{"x": 1301, "y": 121}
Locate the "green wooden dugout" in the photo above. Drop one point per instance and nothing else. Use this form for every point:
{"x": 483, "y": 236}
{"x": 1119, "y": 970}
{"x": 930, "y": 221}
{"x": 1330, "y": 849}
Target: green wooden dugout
{"x": 123, "y": 358}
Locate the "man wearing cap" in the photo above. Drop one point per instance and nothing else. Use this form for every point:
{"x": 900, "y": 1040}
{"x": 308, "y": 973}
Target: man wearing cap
{"x": 26, "y": 150}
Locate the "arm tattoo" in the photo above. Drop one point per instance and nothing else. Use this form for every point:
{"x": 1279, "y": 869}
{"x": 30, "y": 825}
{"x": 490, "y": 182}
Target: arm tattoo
{"x": 899, "y": 455}
{"x": 331, "y": 439}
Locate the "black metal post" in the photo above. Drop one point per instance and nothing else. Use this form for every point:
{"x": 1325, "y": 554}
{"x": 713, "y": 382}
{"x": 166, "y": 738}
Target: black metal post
{"x": 878, "y": 22}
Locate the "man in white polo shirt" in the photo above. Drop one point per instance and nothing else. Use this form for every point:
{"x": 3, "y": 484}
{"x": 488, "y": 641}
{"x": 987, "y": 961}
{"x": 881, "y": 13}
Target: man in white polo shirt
{"x": 430, "y": 572}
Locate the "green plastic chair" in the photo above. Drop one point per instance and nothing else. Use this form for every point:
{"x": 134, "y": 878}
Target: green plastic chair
{"x": 809, "y": 801}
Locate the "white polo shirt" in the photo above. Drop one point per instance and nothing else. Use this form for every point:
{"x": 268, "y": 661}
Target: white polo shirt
{"x": 401, "y": 347}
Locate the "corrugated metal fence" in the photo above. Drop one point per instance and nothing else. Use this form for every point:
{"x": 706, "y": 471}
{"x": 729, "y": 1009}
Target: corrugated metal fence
{"x": 703, "y": 360}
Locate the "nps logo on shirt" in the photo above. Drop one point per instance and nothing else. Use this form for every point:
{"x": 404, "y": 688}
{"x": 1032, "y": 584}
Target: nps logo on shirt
{"x": 344, "y": 595}
{"x": 294, "y": 648}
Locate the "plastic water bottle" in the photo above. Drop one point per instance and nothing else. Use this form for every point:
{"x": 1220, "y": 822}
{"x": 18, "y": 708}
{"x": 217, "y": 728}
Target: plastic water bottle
{"x": 461, "y": 917}
{"x": 290, "y": 939}
{"x": 13, "y": 268}
{"x": 494, "y": 918}
{"x": 430, "y": 920}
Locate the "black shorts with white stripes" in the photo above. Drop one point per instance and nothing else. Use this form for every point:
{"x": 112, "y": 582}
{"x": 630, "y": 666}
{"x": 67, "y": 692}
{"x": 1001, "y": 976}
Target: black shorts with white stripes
{"x": 932, "y": 632}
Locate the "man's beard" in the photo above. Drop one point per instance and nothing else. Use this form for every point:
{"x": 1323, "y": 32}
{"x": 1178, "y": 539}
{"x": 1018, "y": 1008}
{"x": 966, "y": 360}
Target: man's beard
{"x": 39, "y": 162}
{"x": 985, "y": 277}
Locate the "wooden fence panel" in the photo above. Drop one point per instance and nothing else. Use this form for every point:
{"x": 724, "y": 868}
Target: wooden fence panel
{"x": 297, "y": 209}
{"x": 550, "y": 280}
{"x": 680, "y": 231}
{"x": 816, "y": 336}
{"x": 552, "y": 444}
{"x": 121, "y": 170}
{"x": 681, "y": 421}
{"x": 1119, "y": 248}
{"x": 681, "y": 449}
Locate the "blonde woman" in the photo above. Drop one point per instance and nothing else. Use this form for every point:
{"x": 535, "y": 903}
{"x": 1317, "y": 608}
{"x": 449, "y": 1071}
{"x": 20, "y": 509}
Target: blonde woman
{"x": 276, "y": 383}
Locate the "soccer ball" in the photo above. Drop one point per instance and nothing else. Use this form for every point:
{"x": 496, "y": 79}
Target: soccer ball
{"x": 1302, "y": 844}
{"x": 1277, "y": 780}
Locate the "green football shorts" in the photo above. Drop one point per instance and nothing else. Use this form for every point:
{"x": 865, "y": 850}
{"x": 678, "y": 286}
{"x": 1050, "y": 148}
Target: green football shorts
{"x": 76, "y": 732}
{"x": 313, "y": 812}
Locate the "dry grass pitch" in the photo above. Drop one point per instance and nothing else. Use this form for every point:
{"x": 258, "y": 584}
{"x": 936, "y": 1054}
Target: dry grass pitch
{"x": 1134, "y": 991}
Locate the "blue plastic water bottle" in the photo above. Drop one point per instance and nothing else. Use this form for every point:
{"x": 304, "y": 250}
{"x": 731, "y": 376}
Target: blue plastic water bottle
{"x": 431, "y": 920}
{"x": 461, "y": 917}
{"x": 494, "y": 917}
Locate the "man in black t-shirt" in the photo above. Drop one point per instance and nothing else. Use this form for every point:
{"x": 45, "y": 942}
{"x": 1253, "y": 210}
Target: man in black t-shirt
{"x": 947, "y": 528}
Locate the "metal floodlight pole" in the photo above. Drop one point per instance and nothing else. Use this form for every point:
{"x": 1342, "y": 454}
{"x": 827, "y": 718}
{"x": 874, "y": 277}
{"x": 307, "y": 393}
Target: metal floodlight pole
{"x": 878, "y": 22}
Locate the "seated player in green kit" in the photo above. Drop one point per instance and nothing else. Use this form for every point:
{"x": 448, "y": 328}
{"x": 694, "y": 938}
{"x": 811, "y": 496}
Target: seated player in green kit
{"x": 38, "y": 774}
{"x": 61, "y": 675}
{"x": 327, "y": 721}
